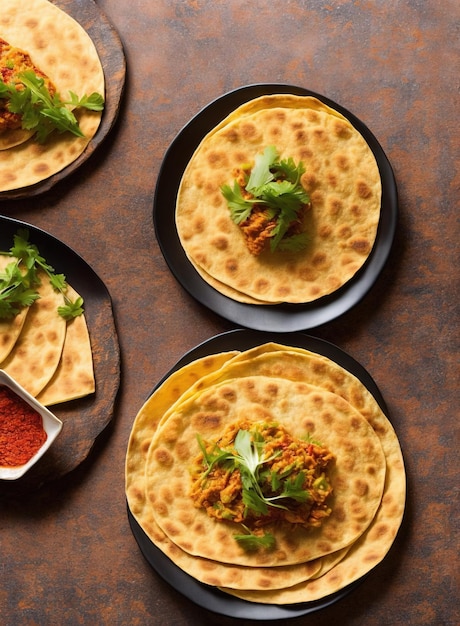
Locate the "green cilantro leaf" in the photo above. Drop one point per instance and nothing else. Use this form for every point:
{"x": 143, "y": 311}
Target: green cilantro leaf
{"x": 295, "y": 243}
{"x": 216, "y": 456}
{"x": 273, "y": 184}
{"x": 293, "y": 488}
{"x": 240, "y": 208}
{"x": 252, "y": 543}
{"x": 289, "y": 170}
{"x": 93, "y": 102}
{"x": 71, "y": 309}
{"x": 260, "y": 173}
{"x": 19, "y": 280}
{"x": 42, "y": 112}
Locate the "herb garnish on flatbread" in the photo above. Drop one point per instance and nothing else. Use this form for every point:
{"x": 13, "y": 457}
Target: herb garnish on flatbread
{"x": 339, "y": 228}
{"x": 44, "y": 340}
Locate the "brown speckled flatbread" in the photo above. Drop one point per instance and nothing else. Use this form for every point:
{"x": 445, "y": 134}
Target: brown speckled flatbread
{"x": 357, "y": 478}
{"x": 37, "y": 351}
{"x": 297, "y": 365}
{"x": 62, "y": 49}
{"x": 342, "y": 179}
{"x": 74, "y": 375}
{"x": 205, "y": 570}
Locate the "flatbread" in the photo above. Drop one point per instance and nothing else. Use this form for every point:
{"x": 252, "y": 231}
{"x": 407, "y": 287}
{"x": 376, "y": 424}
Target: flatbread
{"x": 363, "y": 554}
{"x": 74, "y": 375}
{"x": 10, "y": 329}
{"x": 207, "y": 571}
{"x": 37, "y": 351}
{"x": 358, "y": 475}
{"x": 342, "y": 179}
{"x": 62, "y": 49}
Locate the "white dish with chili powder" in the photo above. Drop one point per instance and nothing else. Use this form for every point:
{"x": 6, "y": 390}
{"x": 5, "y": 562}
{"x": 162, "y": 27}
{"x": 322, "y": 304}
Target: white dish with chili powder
{"x": 22, "y": 444}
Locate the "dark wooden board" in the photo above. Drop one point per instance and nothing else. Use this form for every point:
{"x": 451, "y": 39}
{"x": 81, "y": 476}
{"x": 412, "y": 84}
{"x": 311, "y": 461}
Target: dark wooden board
{"x": 111, "y": 54}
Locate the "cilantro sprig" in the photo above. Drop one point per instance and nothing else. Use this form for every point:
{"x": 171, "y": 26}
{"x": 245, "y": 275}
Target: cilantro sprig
{"x": 275, "y": 185}
{"x": 42, "y": 112}
{"x": 20, "y": 279}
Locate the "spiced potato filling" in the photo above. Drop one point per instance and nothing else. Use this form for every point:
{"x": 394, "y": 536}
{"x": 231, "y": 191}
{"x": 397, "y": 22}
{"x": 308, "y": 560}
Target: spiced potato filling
{"x": 268, "y": 202}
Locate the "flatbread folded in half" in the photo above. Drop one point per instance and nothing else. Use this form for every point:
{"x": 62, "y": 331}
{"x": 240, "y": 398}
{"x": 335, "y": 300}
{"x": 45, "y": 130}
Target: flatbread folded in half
{"x": 60, "y": 48}
{"x": 49, "y": 356}
{"x": 341, "y": 178}
{"x": 74, "y": 375}
{"x": 37, "y": 350}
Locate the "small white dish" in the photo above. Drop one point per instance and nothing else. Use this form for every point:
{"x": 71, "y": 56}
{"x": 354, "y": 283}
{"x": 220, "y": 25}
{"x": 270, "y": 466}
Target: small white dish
{"x": 51, "y": 424}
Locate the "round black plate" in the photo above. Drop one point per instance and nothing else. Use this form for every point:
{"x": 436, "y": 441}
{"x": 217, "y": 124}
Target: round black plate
{"x": 209, "y": 597}
{"x": 280, "y": 317}
{"x": 84, "y": 418}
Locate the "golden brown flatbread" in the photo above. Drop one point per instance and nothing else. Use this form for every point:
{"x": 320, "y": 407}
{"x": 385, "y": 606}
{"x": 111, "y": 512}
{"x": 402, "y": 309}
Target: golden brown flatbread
{"x": 74, "y": 375}
{"x": 343, "y": 182}
{"x": 62, "y": 49}
{"x": 207, "y": 571}
{"x": 37, "y": 351}
{"x": 358, "y": 475}
{"x": 248, "y": 582}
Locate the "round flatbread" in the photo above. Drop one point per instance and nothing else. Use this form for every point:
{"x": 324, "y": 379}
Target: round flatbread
{"x": 207, "y": 571}
{"x": 342, "y": 179}
{"x": 61, "y": 48}
{"x": 298, "y": 365}
{"x": 357, "y": 477}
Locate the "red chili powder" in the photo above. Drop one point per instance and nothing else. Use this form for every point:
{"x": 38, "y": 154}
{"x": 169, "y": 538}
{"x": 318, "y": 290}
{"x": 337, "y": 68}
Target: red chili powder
{"x": 21, "y": 429}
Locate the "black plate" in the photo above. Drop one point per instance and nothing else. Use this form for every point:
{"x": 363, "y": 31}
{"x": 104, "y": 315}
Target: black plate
{"x": 209, "y": 597}
{"x": 280, "y": 317}
{"x": 84, "y": 418}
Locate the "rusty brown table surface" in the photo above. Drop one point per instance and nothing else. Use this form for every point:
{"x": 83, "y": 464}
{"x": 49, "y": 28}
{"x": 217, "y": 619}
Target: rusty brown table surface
{"x": 67, "y": 555}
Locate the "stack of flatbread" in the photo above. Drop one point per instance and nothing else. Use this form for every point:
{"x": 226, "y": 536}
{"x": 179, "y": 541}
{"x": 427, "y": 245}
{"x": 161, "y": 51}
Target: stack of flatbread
{"x": 306, "y": 393}
{"x": 49, "y": 356}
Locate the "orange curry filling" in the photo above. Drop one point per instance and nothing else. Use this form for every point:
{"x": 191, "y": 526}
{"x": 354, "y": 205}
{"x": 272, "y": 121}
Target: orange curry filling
{"x": 291, "y": 474}
{"x": 257, "y": 228}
